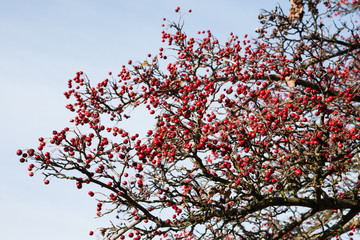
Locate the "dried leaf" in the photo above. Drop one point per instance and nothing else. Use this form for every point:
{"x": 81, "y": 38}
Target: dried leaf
{"x": 312, "y": 5}
{"x": 145, "y": 63}
{"x": 212, "y": 192}
{"x": 102, "y": 231}
{"x": 297, "y": 10}
{"x": 290, "y": 82}
{"x": 227, "y": 194}
{"x": 233, "y": 185}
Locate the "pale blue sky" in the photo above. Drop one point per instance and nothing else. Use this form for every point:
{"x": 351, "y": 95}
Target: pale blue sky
{"x": 43, "y": 43}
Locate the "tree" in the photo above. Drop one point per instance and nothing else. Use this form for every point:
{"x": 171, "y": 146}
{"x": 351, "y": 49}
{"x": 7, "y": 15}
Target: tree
{"x": 254, "y": 139}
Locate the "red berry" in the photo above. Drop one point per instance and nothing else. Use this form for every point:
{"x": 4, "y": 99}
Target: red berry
{"x": 19, "y": 152}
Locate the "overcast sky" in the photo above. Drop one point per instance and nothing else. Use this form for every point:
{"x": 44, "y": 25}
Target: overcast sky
{"x": 43, "y": 43}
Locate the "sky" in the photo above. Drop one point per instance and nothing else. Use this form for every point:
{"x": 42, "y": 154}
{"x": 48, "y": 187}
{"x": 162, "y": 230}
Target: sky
{"x": 43, "y": 43}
